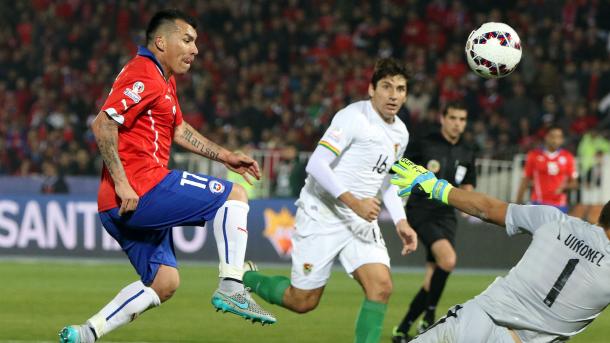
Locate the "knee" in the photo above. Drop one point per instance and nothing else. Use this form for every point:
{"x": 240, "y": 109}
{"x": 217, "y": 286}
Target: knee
{"x": 238, "y": 192}
{"x": 165, "y": 293}
{"x": 306, "y": 306}
{"x": 301, "y": 301}
{"x": 380, "y": 291}
{"x": 447, "y": 263}
{"x": 166, "y": 287}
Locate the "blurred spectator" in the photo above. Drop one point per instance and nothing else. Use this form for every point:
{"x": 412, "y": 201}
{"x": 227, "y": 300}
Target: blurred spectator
{"x": 54, "y": 181}
{"x": 591, "y": 150}
{"x": 290, "y": 173}
{"x": 452, "y": 66}
{"x": 83, "y": 164}
{"x": 490, "y": 100}
{"x": 583, "y": 121}
{"x": 418, "y": 102}
{"x": 519, "y": 106}
{"x": 282, "y": 70}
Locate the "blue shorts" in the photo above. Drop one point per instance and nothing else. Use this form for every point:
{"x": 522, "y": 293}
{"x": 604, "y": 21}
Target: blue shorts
{"x": 181, "y": 198}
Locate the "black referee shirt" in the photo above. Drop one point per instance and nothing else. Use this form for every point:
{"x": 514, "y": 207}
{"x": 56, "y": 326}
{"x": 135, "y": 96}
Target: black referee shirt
{"x": 454, "y": 163}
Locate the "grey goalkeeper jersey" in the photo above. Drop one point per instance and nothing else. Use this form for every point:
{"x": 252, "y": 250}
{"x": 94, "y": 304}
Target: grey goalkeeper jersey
{"x": 562, "y": 282}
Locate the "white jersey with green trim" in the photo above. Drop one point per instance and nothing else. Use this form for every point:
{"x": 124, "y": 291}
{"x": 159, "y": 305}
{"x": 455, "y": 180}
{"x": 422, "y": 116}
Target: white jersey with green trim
{"x": 366, "y": 147}
{"x": 562, "y": 282}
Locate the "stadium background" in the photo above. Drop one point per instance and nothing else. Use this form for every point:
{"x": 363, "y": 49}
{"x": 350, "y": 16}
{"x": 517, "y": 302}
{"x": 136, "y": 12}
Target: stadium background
{"x": 268, "y": 78}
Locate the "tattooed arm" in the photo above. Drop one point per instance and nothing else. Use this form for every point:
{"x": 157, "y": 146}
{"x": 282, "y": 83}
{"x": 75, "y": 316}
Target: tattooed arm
{"x": 106, "y": 132}
{"x": 187, "y": 137}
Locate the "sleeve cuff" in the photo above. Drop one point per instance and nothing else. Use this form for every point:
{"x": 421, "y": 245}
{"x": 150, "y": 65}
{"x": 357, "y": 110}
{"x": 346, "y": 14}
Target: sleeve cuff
{"x": 114, "y": 115}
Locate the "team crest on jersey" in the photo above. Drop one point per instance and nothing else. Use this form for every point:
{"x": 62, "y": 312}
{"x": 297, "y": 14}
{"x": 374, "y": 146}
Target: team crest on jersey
{"x": 216, "y": 187}
{"x": 279, "y": 227}
{"x": 133, "y": 93}
{"x": 433, "y": 166}
{"x": 307, "y": 267}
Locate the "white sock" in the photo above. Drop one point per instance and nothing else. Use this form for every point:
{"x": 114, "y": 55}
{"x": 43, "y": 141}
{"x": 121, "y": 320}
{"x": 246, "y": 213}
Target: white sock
{"x": 124, "y": 308}
{"x": 231, "y": 234}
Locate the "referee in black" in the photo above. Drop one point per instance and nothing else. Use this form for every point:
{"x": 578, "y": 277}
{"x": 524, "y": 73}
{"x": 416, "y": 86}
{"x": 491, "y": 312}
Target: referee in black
{"x": 444, "y": 153}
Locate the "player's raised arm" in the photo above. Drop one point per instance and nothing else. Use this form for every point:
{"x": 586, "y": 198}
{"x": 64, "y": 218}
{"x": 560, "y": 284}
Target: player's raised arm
{"x": 409, "y": 175}
{"x": 190, "y": 139}
{"x": 479, "y": 205}
{"x": 106, "y": 132}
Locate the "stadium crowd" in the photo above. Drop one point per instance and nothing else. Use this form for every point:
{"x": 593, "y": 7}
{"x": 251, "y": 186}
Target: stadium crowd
{"x": 272, "y": 73}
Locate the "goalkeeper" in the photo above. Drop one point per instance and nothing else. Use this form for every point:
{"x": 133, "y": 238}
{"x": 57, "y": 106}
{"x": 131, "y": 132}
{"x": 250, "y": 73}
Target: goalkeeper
{"x": 552, "y": 294}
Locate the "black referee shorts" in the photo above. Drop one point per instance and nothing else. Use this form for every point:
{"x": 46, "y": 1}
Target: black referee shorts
{"x": 433, "y": 228}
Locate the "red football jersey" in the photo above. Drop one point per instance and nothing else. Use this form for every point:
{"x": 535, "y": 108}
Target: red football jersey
{"x": 549, "y": 171}
{"x": 146, "y": 107}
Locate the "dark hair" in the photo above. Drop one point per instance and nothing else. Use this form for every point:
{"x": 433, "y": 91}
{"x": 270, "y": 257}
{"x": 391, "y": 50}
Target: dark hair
{"x": 388, "y": 67}
{"x": 553, "y": 127}
{"x": 164, "y": 17}
{"x": 456, "y": 105}
{"x": 604, "y": 216}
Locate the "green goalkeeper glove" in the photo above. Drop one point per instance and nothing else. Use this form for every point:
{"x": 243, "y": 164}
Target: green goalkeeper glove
{"x": 408, "y": 175}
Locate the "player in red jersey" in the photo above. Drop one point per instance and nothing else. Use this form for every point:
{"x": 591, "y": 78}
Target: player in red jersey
{"x": 140, "y": 199}
{"x": 550, "y": 171}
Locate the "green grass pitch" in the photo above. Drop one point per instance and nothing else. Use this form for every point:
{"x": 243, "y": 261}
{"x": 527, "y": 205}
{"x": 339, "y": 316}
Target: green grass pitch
{"x": 37, "y": 298}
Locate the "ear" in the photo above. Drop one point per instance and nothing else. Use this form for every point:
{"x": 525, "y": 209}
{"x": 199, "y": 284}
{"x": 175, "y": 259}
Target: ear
{"x": 160, "y": 43}
{"x": 371, "y": 90}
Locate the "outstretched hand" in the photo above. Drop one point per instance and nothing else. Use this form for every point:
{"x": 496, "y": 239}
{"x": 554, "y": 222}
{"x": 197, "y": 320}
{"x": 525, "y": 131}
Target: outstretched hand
{"x": 409, "y": 175}
{"x": 243, "y": 165}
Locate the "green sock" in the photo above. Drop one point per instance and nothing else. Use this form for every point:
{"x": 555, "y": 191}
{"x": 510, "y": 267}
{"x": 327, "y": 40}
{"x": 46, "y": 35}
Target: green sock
{"x": 270, "y": 288}
{"x": 370, "y": 321}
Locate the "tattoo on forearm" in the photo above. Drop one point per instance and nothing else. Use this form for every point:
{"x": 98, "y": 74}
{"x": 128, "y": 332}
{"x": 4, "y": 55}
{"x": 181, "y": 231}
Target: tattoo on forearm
{"x": 109, "y": 150}
{"x": 205, "y": 147}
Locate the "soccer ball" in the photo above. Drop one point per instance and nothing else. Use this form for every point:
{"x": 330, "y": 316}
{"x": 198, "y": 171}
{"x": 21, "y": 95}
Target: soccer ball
{"x": 493, "y": 50}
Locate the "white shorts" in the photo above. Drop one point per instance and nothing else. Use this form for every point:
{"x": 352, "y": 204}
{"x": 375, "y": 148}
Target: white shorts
{"x": 314, "y": 251}
{"x": 466, "y": 323}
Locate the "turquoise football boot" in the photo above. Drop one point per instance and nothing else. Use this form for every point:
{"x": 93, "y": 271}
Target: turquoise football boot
{"x": 242, "y": 304}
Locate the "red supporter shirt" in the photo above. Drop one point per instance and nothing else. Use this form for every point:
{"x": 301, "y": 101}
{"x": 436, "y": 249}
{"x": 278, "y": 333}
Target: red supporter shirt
{"x": 146, "y": 107}
{"x": 549, "y": 171}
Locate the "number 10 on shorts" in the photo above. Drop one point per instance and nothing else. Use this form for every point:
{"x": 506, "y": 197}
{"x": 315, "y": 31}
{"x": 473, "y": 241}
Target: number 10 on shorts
{"x": 186, "y": 181}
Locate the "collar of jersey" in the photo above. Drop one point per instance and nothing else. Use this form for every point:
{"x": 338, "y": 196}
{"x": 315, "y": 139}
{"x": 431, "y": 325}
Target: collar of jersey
{"x": 551, "y": 154}
{"x": 143, "y": 51}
